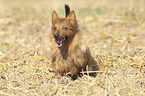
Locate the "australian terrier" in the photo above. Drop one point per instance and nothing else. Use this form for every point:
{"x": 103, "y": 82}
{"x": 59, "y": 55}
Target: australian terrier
{"x": 68, "y": 50}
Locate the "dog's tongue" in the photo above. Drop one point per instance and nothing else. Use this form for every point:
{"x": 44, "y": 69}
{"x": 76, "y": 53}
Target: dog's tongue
{"x": 59, "y": 45}
{"x": 59, "y": 42}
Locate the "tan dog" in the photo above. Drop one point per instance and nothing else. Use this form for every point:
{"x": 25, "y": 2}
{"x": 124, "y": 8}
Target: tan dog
{"x": 68, "y": 51}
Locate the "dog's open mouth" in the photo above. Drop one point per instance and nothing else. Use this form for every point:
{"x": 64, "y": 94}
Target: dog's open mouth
{"x": 60, "y": 41}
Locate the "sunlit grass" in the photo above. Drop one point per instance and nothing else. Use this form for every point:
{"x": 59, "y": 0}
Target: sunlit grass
{"x": 114, "y": 32}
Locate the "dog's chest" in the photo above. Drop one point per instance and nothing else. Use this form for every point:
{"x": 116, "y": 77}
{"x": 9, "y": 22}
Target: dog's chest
{"x": 62, "y": 61}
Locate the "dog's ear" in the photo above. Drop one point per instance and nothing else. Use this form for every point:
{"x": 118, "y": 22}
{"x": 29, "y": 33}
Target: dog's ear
{"x": 54, "y": 15}
{"x": 72, "y": 15}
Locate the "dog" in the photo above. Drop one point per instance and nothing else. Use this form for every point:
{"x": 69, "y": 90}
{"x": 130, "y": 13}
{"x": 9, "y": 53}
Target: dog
{"x": 69, "y": 53}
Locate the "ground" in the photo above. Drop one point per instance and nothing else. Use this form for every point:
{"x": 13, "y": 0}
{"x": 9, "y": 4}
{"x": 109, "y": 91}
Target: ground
{"x": 114, "y": 31}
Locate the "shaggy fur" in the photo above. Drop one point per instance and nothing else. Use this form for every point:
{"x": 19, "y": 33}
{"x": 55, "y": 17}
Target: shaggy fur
{"x": 73, "y": 55}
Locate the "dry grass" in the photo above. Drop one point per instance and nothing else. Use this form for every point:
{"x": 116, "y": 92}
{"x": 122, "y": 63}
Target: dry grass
{"x": 114, "y": 29}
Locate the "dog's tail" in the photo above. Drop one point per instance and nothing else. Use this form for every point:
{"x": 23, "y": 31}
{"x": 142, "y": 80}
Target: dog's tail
{"x": 67, "y": 10}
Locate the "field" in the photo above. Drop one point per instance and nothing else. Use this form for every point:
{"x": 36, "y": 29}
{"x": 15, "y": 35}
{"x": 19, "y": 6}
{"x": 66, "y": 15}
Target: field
{"x": 114, "y": 31}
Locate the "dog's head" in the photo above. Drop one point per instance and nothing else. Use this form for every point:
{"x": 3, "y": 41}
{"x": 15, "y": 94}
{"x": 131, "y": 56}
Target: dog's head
{"x": 63, "y": 29}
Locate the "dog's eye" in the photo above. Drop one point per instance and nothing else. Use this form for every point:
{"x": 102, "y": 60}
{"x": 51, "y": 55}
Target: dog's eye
{"x": 65, "y": 28}
{"x": 54, "y": 28}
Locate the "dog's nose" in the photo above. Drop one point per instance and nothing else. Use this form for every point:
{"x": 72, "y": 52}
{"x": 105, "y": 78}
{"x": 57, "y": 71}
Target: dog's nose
{"x": 56, "y": 35}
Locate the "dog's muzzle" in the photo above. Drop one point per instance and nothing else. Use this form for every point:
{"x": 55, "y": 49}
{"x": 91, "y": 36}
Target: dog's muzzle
{"x": 60, "y": 40}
